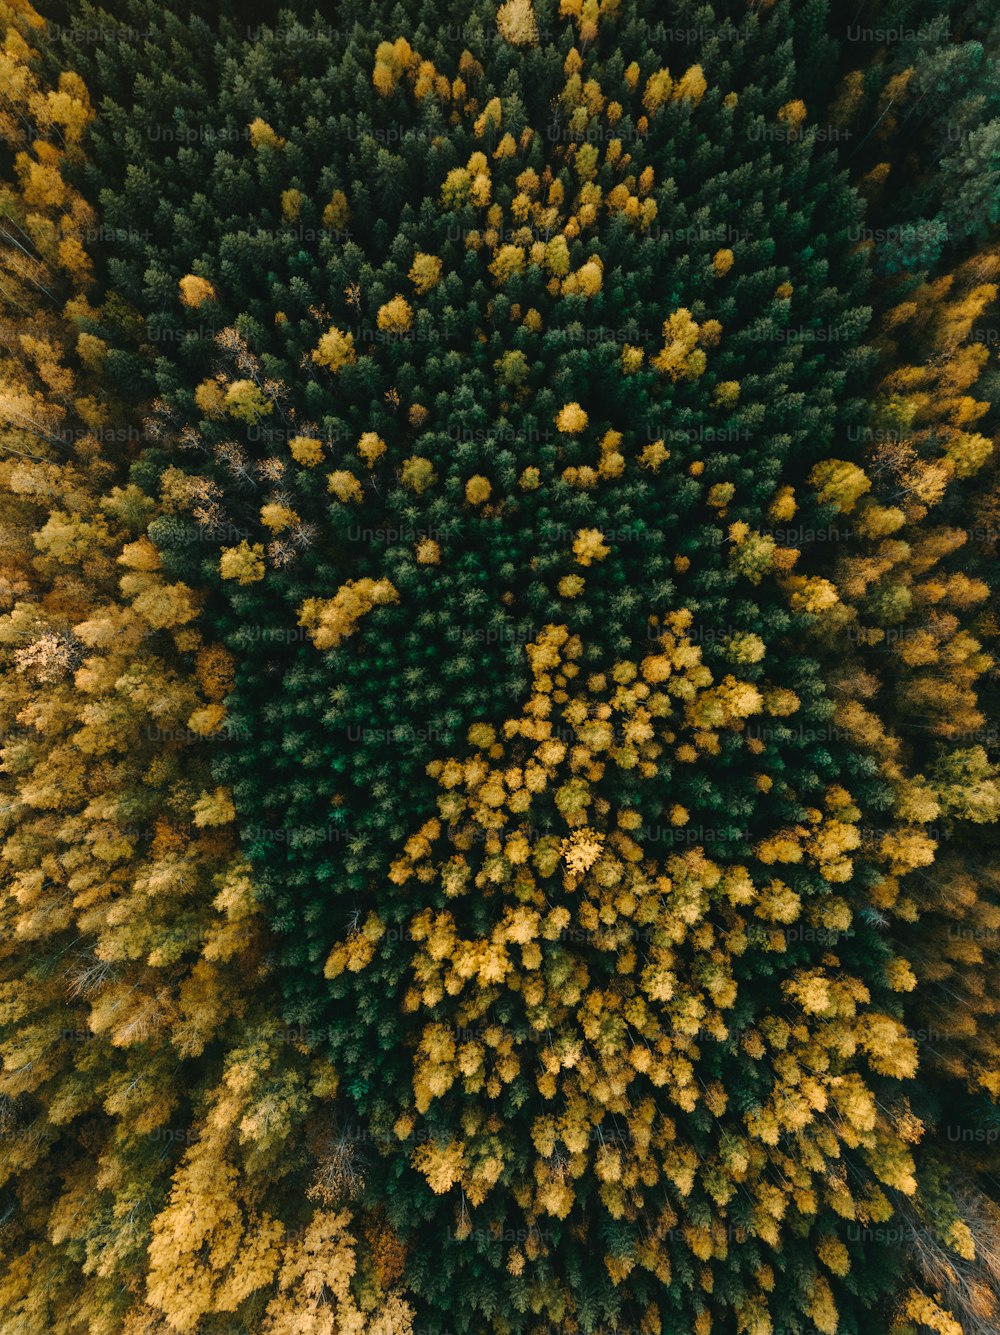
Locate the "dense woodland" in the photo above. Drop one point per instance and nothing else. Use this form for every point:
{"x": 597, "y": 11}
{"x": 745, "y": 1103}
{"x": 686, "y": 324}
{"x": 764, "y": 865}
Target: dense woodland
{"x": 498, "y": 623}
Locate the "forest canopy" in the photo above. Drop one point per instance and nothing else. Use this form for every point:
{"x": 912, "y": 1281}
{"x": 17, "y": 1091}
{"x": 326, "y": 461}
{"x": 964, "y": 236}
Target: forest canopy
{"x": 498, "y": 621}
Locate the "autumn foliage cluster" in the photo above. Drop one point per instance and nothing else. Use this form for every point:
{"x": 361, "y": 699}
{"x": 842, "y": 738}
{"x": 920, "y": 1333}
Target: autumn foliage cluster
{"x": 498, "y": 627}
